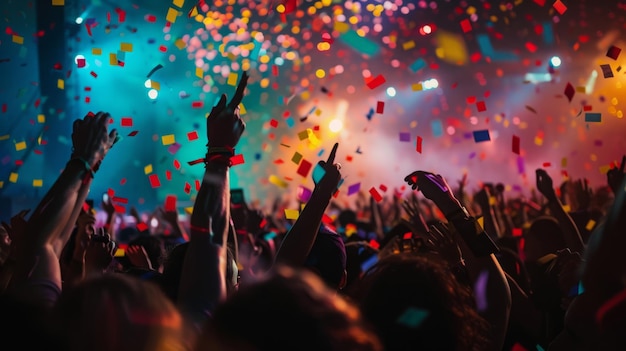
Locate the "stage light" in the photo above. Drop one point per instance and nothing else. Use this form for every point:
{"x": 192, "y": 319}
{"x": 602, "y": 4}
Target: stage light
{"x": 430, "y": 84}
{"x": 148, "y": 83}
{"x": 335, "y": 125}
{"x": 426, "y": 29}
{"x": 153, "y": 93}
{"x": 555, "y": 61}
{"x": 391, "y": 91}
{"x": 79, "y": 20}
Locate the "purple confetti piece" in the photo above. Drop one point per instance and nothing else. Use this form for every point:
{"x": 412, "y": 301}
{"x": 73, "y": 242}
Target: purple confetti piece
{"x": 405, "y": 137}
{"x": 354, "y": 188}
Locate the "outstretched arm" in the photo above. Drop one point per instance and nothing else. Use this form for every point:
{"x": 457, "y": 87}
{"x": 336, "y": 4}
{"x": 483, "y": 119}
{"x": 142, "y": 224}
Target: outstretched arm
{"x": 298, "y": 241}
{"x": 49, "y": 225}
{"x": 203, "y": 280}
{"x": 570, "y": 231}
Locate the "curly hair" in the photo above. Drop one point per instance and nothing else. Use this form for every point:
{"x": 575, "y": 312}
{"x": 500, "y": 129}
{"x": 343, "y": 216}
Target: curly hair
{"x": 415, "y": 302}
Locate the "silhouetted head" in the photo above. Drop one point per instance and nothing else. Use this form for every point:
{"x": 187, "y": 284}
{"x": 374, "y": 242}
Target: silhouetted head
{"x": 327, "y": 258}
{"x": 544, "y": 236}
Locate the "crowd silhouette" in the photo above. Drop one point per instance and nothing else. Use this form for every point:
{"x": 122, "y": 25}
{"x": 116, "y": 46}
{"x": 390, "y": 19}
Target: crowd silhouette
{"x": 440, "y": 269}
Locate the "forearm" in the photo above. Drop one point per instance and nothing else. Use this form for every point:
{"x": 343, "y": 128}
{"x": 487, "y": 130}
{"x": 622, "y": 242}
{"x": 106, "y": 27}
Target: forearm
{"x": 570, "y": 231}
{"x": 64, "y": 236}
{"x": 299, "y": 240}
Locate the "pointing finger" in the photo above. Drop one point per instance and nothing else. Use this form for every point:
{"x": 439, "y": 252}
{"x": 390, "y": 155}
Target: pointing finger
{"x": 333, "y": 152}
{"x": 241, "y": 87}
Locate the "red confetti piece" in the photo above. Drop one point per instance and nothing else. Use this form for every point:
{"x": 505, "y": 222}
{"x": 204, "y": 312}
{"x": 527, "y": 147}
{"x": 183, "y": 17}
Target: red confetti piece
{"x": 150, "y": 18}
{"x": 154, "y": 180}
{"x": 516, "y": 145}
{"x": 587, "y": 108}
{"x": 375, "y": 194}
{"x": 237, "y": 160}
{"x": 383, "y": 187}
{"x": 517, "y": 232}
{"x": 197, "y": 185}
{"x": 466, "y": 25}
{"x": 121, "y": 15}
{"x": 187, "y": 188}
{"x": 274, "y": 123}
{"x": 560, "y": 7}
{"x": 94, "y": 74}
{"x": 133, "y": 133}
{"x": 540, "y": 2}
{"x": 170, "y": 203}
{"x": 127, "y": 122}
{"x": 163, "y": 48}
{"x": 121, "y": 200}
{"x": 380, "y": 107}
{"x": 376, "y": 82}
{"x": 547, "y": 164}
{"x": 168, "y": 175}
{"x": 569, "y": 91}
{"x": 141, "y": 226}
{"x": 613, "y": 52}
{"x": 197, "y": 104}
{"x": 191, "y": 136}
{"x": 119, "y": 208}
{"x": 531, "y": 47}
{"x": 123, "y": 181}
{"x": 304, "y": 168}
{"x": 374, "y": 244}
{"x": 176, "y": 164}
{"x": 275, "y": 70}
{"x": 480, "y": 105}
{"x": 418, "y": 147}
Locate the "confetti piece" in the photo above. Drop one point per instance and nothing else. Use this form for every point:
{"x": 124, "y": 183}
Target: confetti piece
{"x": 172, "y": 13}
{"x": 358, "y": 43}
{"x": 375, "y": 194}
{"x": 376, "y": 82}
{"x": 569, "y": 91}
{"x": 178, "y": 3}
{"x": 292, "y": 214}
{"x": 18, "y": 40}
{"x": 590, "y": 225}
{"x": 170, "y": 203}
{"x": 37, "y": 183}
{"x": 141, "y": 226}
{"x": 380, "y": 107}
{"x": 318, "y": 173}
{"x": 133, "y": 133}
{"x": 607, "y": 72}
{"x": 180, "y": 44}
{"x": 408, "y": 45}
{"x": 540, "y": 2}
{"x": 197, "y": 104}
{"x": 412, "y": 317}
{"x": 417, "y": 65}
{"x": 613, "y": 52}
{"x": 304, "y": 193}
{"x": 154, "y": 180}
{"x": 41, "y": 118}
{"x": 405, "y": 137}
{"x": 529, "y": 108}
{"x": 466, "y": 25}
{"x": 560, "y": 7}
{"x": 156, "y": 68}
{"x": 418, "y": 146}
{"x": 13, "y": 177}
{"x": 480, "y": 106}
{"x": 127, "y": 122}
{"x": 593, "y": 117}
{"x": 147, "y": 169}
{"x": 354, "y": 188}
{"x": 61, "y": 84}
{"x": 126, "y": 47}
{"x": 516, "y": 145}
{"x": 80, "y": 62}
{"x": 232, "y": 79}
{"x": 436, "y": 126}
{"x": 481, "y": 135}
{"x": 58, "y": 2}
{"x": 20, "y": 146}
{"x": 168, "y": 139}
{"x": 278, "y": 182}
{"x": 304, "y": 168}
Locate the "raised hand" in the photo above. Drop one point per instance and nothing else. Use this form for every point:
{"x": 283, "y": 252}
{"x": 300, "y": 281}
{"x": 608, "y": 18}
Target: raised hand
{"x": 91, "y": 140}
{"x": 327, "y": 174}
{"x": 442, "y": 240}
{"x": 100, "y": 252}
{"x": 545, "y": 185}
{"x": 224, "y": 125}
{"x": 615, "y": 176}
{"x": 138, "y": 257}
{"x": 434, "y": 187}
{"x": 582, "y": 193}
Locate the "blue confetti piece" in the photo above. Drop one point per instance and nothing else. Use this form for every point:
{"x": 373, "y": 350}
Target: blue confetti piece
{"x": 319, "y": 154}
{"x": 481, "y": 135}
{"x": 290, "y": 122}
{"x": 360, "y": 44}
{"x": 257, "y": 156}
{"x": 370, "y": 114}
{"x": 593, "y": 117}
{"x": 417, "y": 65}
{"x": 367, "y": 264}
{"x": 437, "y": 128}
{"x": 548, "y": 33}
{"x": 413, "y": 317}
{"x": 318, "y": 173}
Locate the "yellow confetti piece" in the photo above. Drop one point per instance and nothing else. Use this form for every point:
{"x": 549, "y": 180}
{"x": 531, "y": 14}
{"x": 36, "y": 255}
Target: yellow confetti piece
{"x": 18, "y": 40}
{"x": 451, "y": 48}
{"x": 1, "y": 184}
{"x": 58, "y": 2}
{"x": 126, "y": 47}
{"x": 313, "y": 140}
{"x": 417, "y": 87}
{"x": 178, "y": 3}
{"x": 492, "y": 200}
{"x": 341, "y": 27}
{"x": 120, "y": 253}
{"x": 564, "y": 162}
{"x": 172, "y": 13}
{"x": 199, "y": 72}
{"x": 147, "y": 169}
{"x": 37, "y": 183}
{"x": 408, "y": 45}
{"x": 278, "y": 182}
{"x": 4, "y": 137}
{"x": 590, "y": 225}
{"x": 232, "y": 79}
{"x": 155, "y": 85}
{"x": 189, "y": 210}
{"x": 292, "y": 214}
{"x": 168, "y": 139}
{"x": 41, "y": 118}
{"x": 20, "y": 146}
{"x": 61, "y": 84}
{"x": 605, "y": 169}
{"x": 113, "y": 59}
{"x": 481, "y": 221}
{"x": 180, "y": 44}
{"x": 582, "y": 90}
{"x": 567, "y": 208}
{"x": 296, "y": 158}
{"x": 303, "y": 135}
{"x": 96, "y": 51}
{"x": 13, "y": 177}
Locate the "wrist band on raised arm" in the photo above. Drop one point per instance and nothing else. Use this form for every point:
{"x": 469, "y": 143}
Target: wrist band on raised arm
{"x": 81, "y": 160}
{"x": 199, "y": 229}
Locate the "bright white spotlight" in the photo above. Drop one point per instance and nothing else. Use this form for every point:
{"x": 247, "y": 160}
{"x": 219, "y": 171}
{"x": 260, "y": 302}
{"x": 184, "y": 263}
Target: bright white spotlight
{"x": 430, "y": 84}
{"x": 148, "y": 83}
{"x": 555, "y": 61}
{"x": 391, "y": 91}
{"x": 335, "y": 125}
{"x": 79, "y": 20}
{"x": 153, "y": 93}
